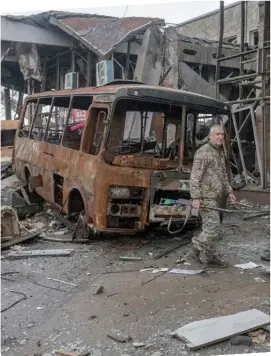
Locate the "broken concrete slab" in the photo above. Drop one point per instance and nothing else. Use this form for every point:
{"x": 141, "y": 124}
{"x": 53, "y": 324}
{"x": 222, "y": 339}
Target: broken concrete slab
{"x": 39, "y": 253}
{"x": 210, "y": 331}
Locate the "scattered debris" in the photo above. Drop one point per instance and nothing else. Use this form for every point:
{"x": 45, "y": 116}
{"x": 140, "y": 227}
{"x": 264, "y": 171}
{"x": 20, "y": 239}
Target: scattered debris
{"x": 172, "y": 248}
{"x": 186, "y": 271}
{"x": 128, "y": 258}
{"x": 68, "y": 240}
{"x": 16, "y": 302}
{"x": 97, "y": 290}
{"x": 58, "y": 280}
{"x": 209, "y": 331}
{"x": 66, "y": 353}
{"x": 18, "y": 240}
{"x": 138, "y": 344}
{"x": 241, "y": 340}
{"x": 248, "y": 265}
{"x": 146, "y": 269}
{"x": 9, "y": 222}
{"x": 255, "y": 216}
{"x": 258, "y": 279}
{"x": 119, "y": 338}
{"x": 258, "y": 336}
{"x": 38, "y": 253}
{"x": 266, "y": 256}
{"x": 92, "y": 317}
{"x": 156, "y": 353}
{"x": 61, "y": 232}
{"x": 158, "y": 270}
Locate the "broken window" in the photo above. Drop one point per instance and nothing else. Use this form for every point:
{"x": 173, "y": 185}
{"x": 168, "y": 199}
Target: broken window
{"x": 28, "y": 118}
{"x": 254, "y": 37}
{"x": 99, "y": 117}
{"x": 42, "y": 116}
{"x": 144, "y": 128}
{"x": 76, "y": 122}
{"x": 57, "y": 120}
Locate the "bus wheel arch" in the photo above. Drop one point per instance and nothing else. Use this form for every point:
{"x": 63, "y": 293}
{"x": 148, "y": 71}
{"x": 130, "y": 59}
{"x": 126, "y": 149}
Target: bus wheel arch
{"x": 77, "y": 201}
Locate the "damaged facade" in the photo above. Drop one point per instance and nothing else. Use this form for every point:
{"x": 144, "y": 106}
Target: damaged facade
{"x": 70, "y": 51}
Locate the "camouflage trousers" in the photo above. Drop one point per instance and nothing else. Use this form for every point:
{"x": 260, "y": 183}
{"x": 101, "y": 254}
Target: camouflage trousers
{"x": 206, "y": 240}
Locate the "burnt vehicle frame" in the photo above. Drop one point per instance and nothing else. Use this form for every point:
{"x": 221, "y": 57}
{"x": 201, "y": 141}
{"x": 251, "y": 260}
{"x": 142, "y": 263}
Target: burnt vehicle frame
{"x": 117, "y": 191}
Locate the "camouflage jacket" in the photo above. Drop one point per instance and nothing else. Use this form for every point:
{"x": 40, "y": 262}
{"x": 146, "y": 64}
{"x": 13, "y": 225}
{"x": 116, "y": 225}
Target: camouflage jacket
{"x": 209, "y": 176}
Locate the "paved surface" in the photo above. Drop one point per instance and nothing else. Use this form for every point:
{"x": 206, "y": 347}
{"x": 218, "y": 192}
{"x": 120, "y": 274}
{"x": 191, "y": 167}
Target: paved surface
{"x": 73, "y": 319}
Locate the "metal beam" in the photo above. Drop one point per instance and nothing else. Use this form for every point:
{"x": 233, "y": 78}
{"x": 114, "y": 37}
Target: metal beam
{"x": 7, "y": 103}
{"x": 16, "y": 31}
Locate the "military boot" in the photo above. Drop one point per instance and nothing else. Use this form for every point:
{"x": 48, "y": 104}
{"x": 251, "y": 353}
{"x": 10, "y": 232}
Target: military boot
{"x": 214, "y": 261}
{"x": 192, "y": 255}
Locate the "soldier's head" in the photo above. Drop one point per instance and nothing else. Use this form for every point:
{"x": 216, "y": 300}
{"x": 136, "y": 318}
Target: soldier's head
{"x": 216, "y": 135}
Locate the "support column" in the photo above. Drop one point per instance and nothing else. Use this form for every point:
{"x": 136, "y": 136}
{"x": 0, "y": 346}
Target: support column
{"x": 7, "y": 103}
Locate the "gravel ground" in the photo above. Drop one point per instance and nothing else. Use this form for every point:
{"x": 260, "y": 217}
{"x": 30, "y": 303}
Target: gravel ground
{"x": 57, "y": 316}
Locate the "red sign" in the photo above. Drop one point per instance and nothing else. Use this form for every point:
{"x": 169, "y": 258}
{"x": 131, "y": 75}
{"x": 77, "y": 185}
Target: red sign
{"x": 79, "y": 115}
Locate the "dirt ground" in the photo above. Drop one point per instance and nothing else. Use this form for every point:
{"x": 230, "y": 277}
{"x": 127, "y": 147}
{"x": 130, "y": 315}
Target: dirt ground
{"x": 71, "y": 318}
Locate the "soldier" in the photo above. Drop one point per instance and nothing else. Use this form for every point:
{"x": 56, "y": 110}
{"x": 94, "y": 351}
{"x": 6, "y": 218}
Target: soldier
{"x": 208, "y": 185}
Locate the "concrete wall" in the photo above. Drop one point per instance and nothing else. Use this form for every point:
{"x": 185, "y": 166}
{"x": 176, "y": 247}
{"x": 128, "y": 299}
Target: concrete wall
{"x": 207, "y": 27}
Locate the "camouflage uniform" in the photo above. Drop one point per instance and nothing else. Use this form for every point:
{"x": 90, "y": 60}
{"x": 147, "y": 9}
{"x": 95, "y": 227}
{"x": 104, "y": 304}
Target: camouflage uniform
{"x": 209, "y": 182}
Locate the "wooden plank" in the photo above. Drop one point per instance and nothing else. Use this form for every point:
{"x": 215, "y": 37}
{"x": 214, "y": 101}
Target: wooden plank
{"x": 18, "y": 240}
{"x": 210, "y": 331}
{"x": 39, "y": 253}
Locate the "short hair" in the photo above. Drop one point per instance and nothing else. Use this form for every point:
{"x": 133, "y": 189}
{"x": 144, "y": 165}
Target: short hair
{"x": 215, "y": 127}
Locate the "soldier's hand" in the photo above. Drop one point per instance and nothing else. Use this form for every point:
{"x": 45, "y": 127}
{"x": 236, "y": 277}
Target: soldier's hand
{"x": 196, "y": 203}
{"x": 232, "y": 198}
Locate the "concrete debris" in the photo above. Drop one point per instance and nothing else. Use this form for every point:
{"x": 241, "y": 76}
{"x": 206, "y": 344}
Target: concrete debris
{"x": 61, "y": 232}
{"x": 258, "y": 279}
{"x": 186, "y": 271}
{"x": 9, "y": 222}
{"x": 119, "y": 337}
{"x": 128, "y": 258}
{"x": 249, "y": 265}
{"x": 55, "y": 223}
{"x": 158, "y": 270}
{"x": 97, "y": 290}
{"x": 258, "y": 336}
{"x": 138, "y": 344}
{"x": 210, "y": 331}
{"x": 241, "y": 340}
{"x": 40, "y": 253}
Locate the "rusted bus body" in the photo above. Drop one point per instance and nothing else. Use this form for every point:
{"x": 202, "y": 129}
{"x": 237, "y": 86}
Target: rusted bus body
{"x": 116, "y": 178}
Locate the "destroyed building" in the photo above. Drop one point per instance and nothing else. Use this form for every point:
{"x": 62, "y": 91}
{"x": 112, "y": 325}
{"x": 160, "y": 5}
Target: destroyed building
{"x": 70, "y": 50}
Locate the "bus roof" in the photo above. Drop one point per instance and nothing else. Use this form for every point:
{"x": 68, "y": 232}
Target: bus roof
{"x": 140, "y": 90}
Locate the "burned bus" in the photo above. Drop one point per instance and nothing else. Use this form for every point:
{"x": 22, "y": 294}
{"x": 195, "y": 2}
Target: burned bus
{"x": 114, "y": 153}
